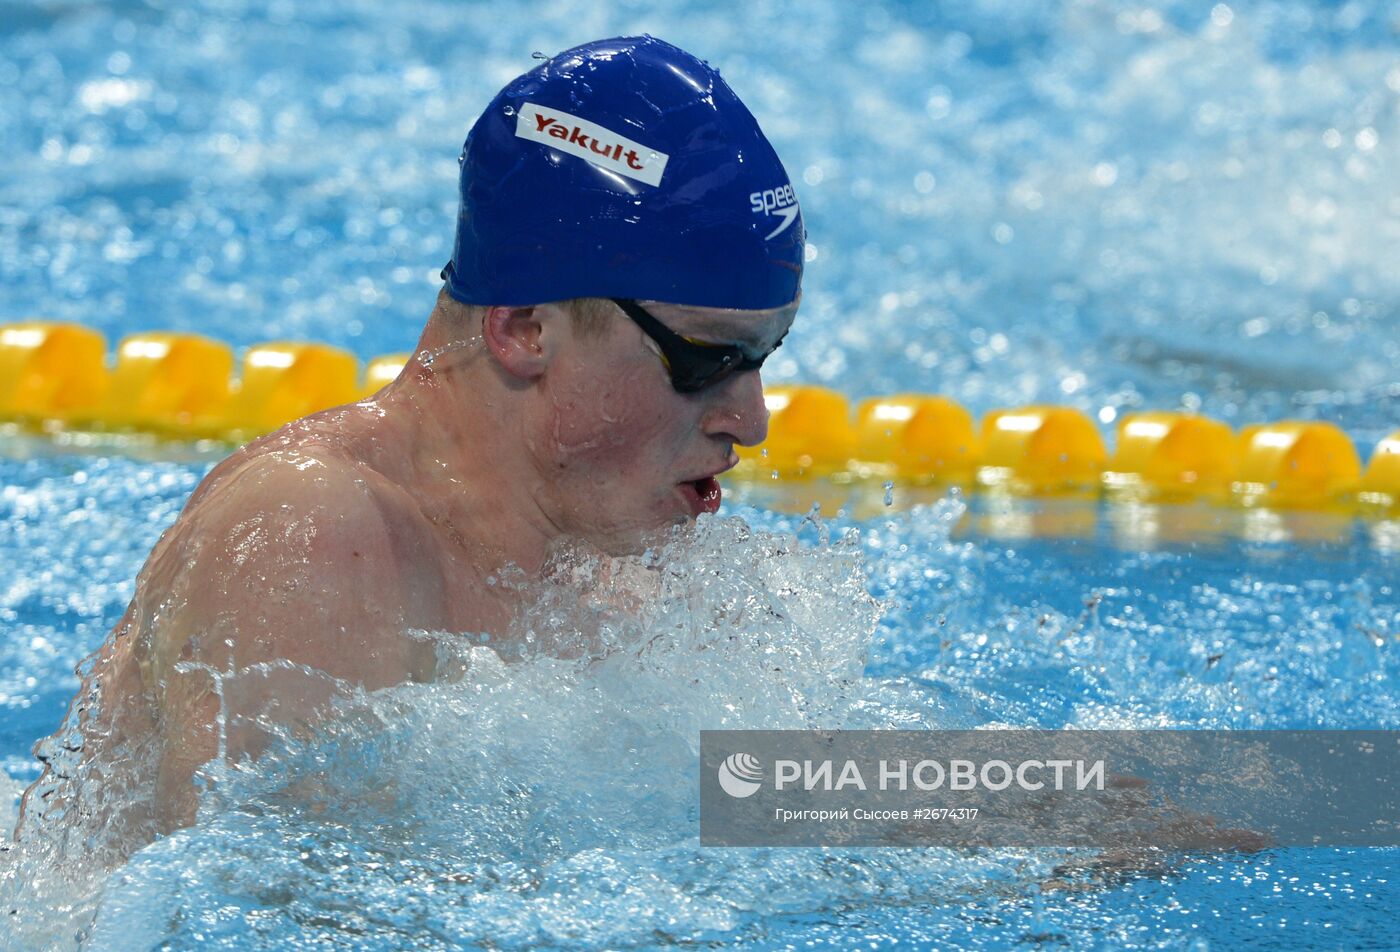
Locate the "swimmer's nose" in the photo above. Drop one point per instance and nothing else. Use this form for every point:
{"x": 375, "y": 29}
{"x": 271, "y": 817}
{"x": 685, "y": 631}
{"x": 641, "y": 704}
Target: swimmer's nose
{"x": 739, "y": 415}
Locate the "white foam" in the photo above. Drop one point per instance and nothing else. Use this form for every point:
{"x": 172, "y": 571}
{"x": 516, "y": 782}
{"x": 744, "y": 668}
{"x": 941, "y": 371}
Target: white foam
{"x": 552, "y": 796}
{"x": 10, "y": 790}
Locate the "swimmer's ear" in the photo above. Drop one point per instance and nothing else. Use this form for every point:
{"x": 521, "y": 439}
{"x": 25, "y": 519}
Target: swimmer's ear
{"x": 520, "y": 338}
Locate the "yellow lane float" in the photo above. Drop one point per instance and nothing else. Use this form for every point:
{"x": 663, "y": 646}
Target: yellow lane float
{"x": 1295, "y": 464}
{"x": 1171, "y": 455}
{"x": 168, "y": 383}
{"x": 915, "y": 438}
{"x": 50, "y": 371}
{"x": 1041, "y": 450}
{"x": 382, "y": 371}
{"x": 809, "y": 434}
{"x": 1380, "y": 483}
{"x": 285, "y": 380}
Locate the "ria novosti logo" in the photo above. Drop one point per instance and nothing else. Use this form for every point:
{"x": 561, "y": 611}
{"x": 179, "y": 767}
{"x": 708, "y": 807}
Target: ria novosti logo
{"x": 597, "y": 144}
{"x": 740, "y": 775}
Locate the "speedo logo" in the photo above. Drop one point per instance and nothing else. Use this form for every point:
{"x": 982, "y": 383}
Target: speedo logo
{"x": 781, "y": 202}
{"x": 589, "y": 141}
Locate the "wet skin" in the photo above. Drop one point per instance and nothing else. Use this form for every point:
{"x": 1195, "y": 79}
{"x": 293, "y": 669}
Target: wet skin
{"x": 324, "y": 542}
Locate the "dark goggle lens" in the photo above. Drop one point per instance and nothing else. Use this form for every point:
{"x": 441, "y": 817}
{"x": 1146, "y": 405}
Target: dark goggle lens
{"x": 703, "y": 367}
{"x": 693, "y": 365}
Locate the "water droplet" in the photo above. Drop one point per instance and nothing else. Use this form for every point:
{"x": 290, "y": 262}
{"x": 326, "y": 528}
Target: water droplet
{"x": 509, "y": 110}
{"x": 889, "y": 494}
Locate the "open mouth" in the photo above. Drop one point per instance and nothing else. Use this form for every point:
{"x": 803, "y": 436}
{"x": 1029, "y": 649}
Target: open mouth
{"x": 703, "y": 495}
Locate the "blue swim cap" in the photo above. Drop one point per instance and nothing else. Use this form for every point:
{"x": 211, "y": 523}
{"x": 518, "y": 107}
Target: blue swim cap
{"x": 624, "y": 168}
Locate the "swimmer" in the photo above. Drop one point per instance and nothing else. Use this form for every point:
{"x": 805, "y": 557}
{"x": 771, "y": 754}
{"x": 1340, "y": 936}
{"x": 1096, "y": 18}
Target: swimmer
{"x": 628, "y": 252}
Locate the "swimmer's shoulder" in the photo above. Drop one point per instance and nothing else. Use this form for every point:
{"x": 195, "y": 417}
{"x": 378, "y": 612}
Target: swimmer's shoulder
{"x": 339, "y": 457}
{"x": 268, "y": 467}
{"x": 312, "y": 485}
{"x": 298, "y": 554}
{"x": 318, "y": 488}
{"x": 307, "y": 457}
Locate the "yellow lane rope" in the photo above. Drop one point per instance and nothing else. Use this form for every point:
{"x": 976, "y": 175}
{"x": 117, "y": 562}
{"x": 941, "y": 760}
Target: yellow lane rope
{"x": 55, "y": 377}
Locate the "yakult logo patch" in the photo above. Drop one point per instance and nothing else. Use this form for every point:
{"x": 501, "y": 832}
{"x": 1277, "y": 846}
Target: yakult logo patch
{"x": 588, "y": 140}
{"x": 780, "y": 202}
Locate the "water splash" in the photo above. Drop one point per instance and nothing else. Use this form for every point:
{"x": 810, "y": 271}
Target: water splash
{"x": 543, "y": 792}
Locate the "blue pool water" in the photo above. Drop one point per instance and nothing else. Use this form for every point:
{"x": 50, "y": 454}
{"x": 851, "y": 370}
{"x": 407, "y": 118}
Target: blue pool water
{"x": 1106, "y": 205}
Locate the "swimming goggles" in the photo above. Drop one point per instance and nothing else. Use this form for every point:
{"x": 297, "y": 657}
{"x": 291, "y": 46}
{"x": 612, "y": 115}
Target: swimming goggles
{"x": 693, "y": 364}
